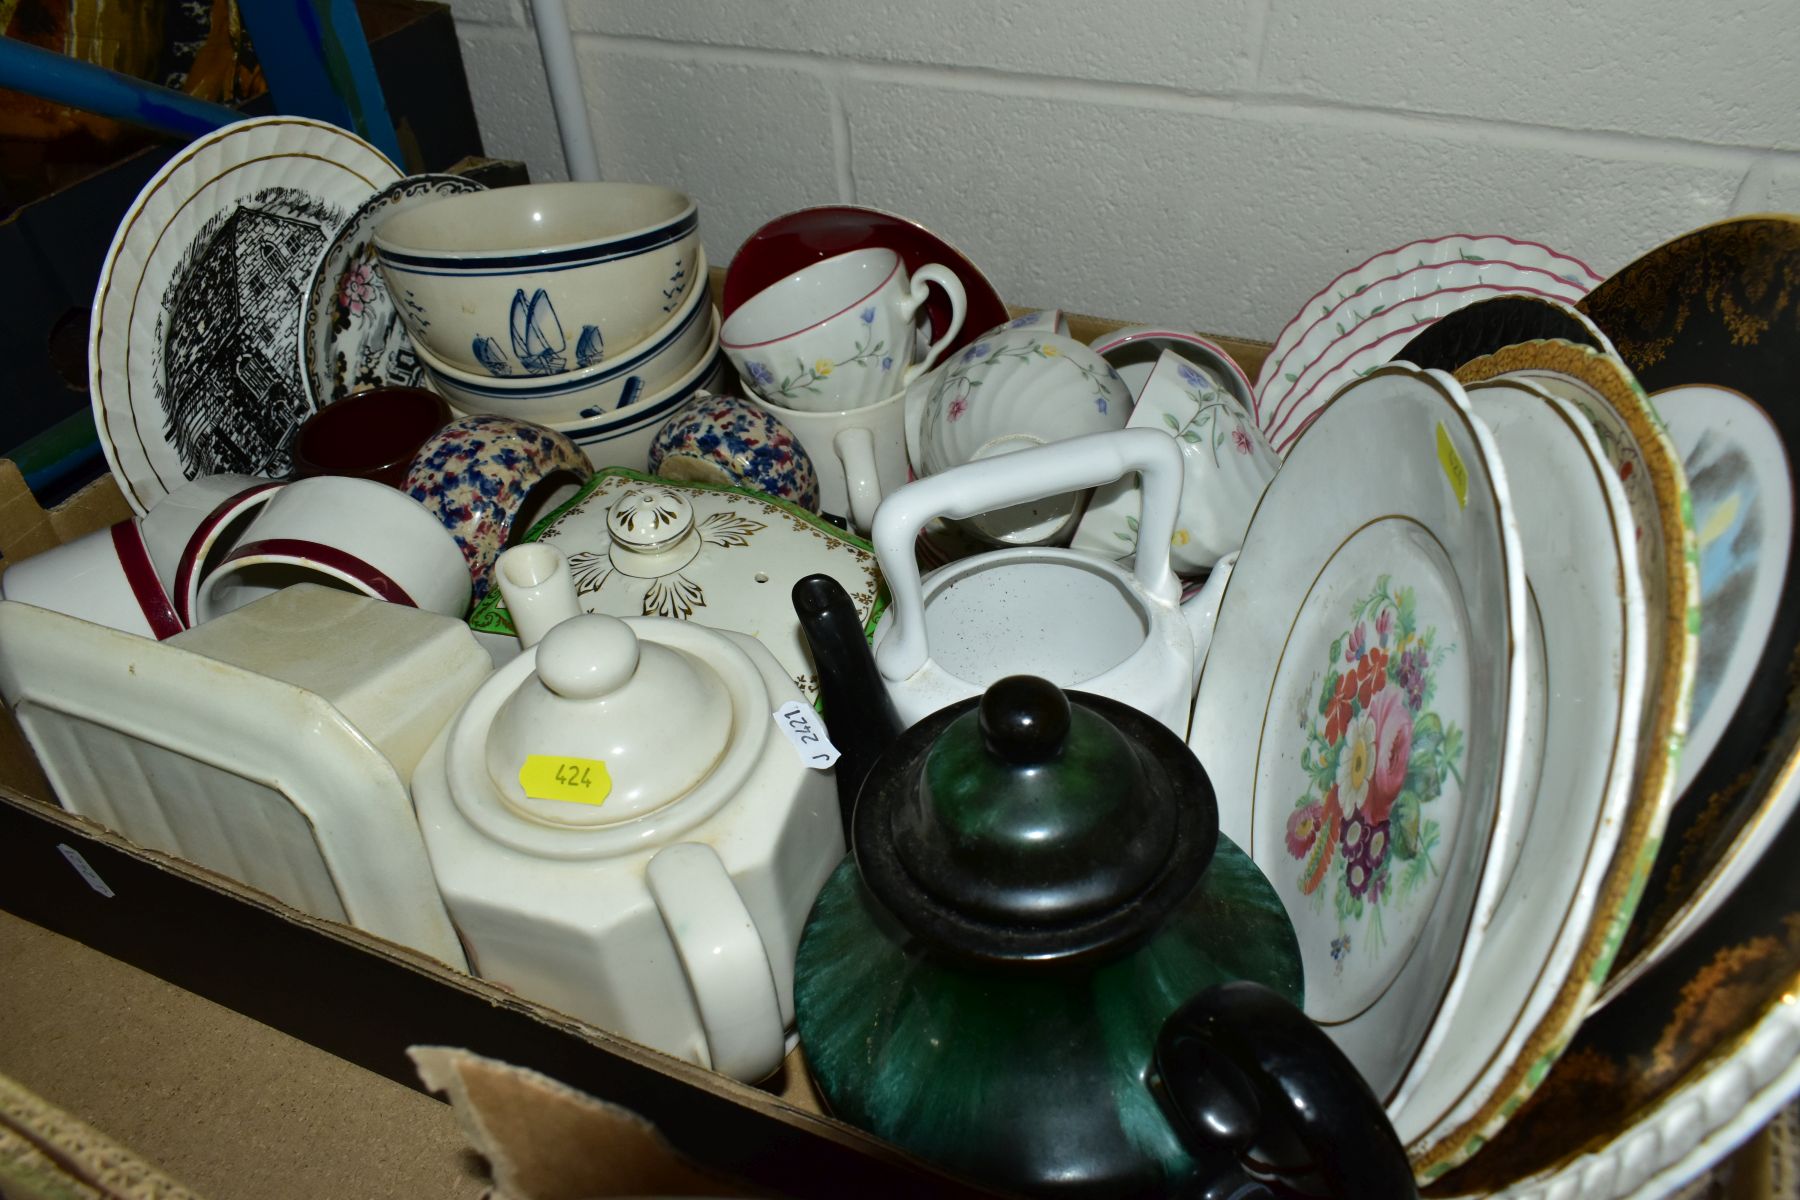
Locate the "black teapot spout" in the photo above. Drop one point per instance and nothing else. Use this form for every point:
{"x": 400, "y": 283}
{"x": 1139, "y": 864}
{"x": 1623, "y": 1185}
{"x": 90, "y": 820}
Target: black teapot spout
{"x": 858, "y": 712}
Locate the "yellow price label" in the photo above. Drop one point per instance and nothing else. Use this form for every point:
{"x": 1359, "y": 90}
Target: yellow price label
{"x": 1452, "y": 462}
{"x": 572, "y": 780}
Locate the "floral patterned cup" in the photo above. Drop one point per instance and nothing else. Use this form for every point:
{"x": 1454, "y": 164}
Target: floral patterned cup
{"x": 839, "y": 334}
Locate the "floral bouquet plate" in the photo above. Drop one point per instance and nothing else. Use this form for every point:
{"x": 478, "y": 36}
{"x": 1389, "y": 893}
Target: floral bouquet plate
{"x": 1361, "y": 711}
{"x": 721, "y": 556}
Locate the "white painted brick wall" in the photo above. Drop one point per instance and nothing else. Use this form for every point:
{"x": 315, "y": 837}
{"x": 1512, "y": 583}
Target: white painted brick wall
{"x": 1211, "y": 162}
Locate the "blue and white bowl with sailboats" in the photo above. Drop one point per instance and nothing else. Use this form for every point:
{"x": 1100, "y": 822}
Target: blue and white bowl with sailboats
{"x": 541, "y": 281}
{"x": 691, "y": 335}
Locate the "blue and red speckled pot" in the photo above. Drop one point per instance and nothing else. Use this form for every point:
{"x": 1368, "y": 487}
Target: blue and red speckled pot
{"x": 478, "y": 475}
{"x": 721, "y": 439}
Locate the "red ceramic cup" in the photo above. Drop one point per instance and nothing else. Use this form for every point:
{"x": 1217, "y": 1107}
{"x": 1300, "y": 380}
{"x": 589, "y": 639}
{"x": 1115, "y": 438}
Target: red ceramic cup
{"x": 369, "y": 435}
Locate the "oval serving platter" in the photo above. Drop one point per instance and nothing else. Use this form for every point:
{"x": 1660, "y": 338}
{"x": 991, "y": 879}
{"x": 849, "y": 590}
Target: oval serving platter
{"x": 1655, "y": 486}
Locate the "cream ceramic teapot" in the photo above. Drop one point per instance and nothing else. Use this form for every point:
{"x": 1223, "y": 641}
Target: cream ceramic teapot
{"x": 1073, "y": 618}
{"x": 621, "y": 831}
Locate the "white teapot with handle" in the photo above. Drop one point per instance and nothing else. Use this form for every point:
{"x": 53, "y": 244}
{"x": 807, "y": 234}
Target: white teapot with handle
{"x": 621, "y": 831}
{"x": 1073, "y": 618}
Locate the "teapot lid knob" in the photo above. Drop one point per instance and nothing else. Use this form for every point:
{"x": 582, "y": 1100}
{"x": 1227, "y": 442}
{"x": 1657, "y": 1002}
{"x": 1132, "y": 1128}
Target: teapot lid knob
{"x": 1035, "y": 825}
{"x": 588, "y": 657}
{"x": 1024, "y": 719}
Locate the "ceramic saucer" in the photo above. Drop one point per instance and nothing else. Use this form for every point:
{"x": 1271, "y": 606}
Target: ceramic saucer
{"x": 1450, "y": 286}
{"x": 1716, "y": 306}
{"x": 351, "y": 338}
{"x": 1649, "y": 467}
{"x": 1392, "y": 266}
{"x": 192, "y": 360}
{"x": 1576, "y": 839}
{"x": 794, "y": 240}
{"x": 1489, "y": 325}
{"x": 1361, "y": 708}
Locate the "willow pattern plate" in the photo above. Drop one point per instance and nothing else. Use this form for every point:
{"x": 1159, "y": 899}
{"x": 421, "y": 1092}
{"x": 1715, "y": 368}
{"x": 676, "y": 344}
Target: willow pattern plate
{"x": 351, "y": 338}
{"x": 193, "y": 366}
{"x": 1535, "y": 975}
{"x": 1361, "y": 708}
{"x": 1649, "y": 467}
{"x": 1382, "y": 296}
{"x": 1451, "y": 249}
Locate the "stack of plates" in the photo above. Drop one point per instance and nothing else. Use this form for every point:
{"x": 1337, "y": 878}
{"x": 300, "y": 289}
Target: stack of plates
{"x": 1358, "y": 321}
{"x": 1454, "y": 673}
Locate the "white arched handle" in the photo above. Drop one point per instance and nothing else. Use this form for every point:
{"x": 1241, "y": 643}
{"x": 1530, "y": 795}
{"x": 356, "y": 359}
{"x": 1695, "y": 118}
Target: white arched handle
{"x": 945, "y": 278}
{"x": 855, "y": 449}
{"x": 723, "y": 955}
{"x": 993, "y": 483}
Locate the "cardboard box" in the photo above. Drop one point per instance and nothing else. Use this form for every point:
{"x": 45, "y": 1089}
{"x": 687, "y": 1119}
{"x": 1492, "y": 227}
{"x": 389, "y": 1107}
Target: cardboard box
{"x": 368, "y": 1001}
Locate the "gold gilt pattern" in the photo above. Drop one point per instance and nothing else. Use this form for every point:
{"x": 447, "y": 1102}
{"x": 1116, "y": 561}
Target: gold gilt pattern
{"x": 1743, "y": 275}
{"x": 1639, "y": 840}
{"x": 1594, "y": 1091}
{"x": 1719, "y": 305}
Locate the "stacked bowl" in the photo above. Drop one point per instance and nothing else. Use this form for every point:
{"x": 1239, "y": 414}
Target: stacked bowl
{"x": 583, "y": 307}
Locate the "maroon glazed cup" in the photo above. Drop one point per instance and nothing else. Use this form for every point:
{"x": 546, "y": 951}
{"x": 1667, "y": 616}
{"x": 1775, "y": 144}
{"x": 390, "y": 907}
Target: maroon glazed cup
{"x": 369, "y": 435}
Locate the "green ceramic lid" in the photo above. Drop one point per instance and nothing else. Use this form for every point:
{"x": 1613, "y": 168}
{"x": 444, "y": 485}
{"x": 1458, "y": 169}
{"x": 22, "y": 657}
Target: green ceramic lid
{"x": 1035, "y": 824}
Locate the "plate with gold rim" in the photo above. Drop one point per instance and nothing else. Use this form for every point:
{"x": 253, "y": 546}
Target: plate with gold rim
{"x": 1718, "y": 306}
{"x": 1649, "y": 469}
{"x": 1534, "y": 976}
{"x": 193, "y": 344}
{"x": 1361, "y": 707}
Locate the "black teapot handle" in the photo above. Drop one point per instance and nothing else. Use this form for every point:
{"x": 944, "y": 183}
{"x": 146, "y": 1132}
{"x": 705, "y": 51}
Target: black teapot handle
{"x": 1244, "y": 1076}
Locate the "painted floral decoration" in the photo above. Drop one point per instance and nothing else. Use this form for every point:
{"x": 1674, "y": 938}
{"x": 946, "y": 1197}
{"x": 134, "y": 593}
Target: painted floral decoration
{"x": 966, "y": 372}
{"x": 868, "y": 354}
{"x": 357, "y": 290}
{"x": 1217, "y": 420}
{"x": 1377, "y": 757}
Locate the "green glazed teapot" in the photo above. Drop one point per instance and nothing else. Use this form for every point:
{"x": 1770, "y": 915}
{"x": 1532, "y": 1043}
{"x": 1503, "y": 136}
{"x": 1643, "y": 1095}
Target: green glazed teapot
{"x": 1044, "y": 969}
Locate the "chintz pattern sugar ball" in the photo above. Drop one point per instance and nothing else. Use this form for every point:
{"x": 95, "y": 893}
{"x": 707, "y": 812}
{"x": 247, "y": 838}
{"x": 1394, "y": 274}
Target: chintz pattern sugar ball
{"x": 477, "y": 475}
{"x": 721, "y": 439}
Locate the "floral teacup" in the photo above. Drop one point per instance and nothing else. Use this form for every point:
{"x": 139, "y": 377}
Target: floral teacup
{"x": 1015, "y": 388}
{"x": 721, "y": 439}
{"x": 840, "y": 333}
{"x": 1226, "y": 465}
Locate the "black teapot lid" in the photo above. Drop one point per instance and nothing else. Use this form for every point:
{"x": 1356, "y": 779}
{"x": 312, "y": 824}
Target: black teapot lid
{"x": 1030, "y": 824}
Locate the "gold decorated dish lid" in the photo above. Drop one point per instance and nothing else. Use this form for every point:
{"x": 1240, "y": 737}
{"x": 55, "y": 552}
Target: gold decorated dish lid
{"x": 713, "y": 555}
